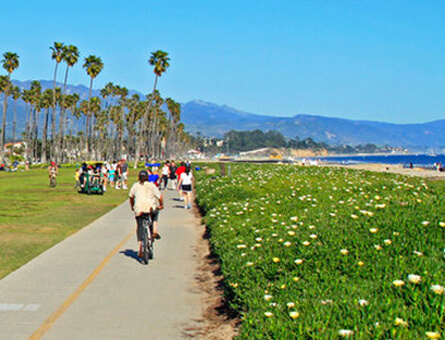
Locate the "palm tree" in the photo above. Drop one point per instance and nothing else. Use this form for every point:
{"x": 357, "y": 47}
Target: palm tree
{"x": 160, "y": 62}
{"x": 70, "y": 55}
{"x": 46, "y": 102}
{"x": 175, "y": 115}
{"x": 16, "y": 94}
{"x": 10, "y": 62}
{"x": 4, "y": 84}
{"x": 56, "y": 55}
{"x": 93, "y": 65}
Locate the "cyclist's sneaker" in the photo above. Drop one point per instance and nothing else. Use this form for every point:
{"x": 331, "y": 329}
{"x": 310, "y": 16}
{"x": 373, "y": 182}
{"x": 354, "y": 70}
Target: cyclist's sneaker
{"x": 157, "y": 236}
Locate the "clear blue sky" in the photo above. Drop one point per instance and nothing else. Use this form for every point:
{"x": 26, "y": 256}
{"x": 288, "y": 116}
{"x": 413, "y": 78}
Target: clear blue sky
{"x": 358, "y": 59}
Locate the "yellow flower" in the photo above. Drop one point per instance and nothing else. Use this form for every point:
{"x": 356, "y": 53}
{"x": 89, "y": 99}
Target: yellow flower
{"x": 290, "y": 304}
{"x": 306, "y": 243}
{"x": 398, "y": 283}
{"x": 361, "y": 263}
{"x": 442, "y": 224}
{"x": 432, "y": 335}
{"x": 387, "y": 242}
{"x": 400, "y": 322}
{"x": 373, "y": 230}
{"x": 276, "y": 259}
{"x": 294, "y": 315}
{"x": 291, "y": 233}
{"x": 296, "y": 279}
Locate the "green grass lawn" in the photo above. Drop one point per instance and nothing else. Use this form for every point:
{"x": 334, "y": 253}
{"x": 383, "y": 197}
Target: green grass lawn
{"x": 34, "y": 217}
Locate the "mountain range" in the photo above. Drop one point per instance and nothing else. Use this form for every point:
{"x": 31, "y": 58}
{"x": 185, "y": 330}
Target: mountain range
{"x": 212, "y": 120}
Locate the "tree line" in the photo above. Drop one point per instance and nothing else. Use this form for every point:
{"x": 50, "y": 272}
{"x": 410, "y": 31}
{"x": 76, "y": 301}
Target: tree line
{"x": 239, "y": 141}
{"x": 108, "y": 126}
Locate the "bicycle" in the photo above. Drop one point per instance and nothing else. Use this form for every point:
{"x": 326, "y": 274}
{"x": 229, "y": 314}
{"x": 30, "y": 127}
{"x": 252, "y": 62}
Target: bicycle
{"x": 147, "y": 238}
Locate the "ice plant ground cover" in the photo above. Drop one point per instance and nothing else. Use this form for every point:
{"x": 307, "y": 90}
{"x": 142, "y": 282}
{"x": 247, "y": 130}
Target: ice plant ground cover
{"x": 327, "y": 253}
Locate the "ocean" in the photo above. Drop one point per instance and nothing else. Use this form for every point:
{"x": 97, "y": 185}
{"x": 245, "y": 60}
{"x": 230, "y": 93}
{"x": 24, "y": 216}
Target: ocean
{"x": 421, "y": 160}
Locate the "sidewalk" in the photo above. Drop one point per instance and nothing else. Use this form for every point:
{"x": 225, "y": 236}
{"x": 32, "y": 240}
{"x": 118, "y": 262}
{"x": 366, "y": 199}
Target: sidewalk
{"x": 91, "y": 286}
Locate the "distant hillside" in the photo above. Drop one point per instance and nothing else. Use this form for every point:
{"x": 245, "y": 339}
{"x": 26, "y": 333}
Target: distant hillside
{"x": 213, "y": 121}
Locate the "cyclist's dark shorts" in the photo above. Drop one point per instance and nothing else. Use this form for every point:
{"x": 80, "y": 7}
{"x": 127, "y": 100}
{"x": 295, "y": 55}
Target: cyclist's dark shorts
{"x": 155, "y": 215}
{"x": 140, "y": 228}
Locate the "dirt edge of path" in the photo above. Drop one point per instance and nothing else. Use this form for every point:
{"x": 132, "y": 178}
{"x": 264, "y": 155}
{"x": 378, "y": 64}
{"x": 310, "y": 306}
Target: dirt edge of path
{"x": 218, "y": 321}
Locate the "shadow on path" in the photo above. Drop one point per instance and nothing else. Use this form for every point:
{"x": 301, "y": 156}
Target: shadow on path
{"x": 131, "y": 254}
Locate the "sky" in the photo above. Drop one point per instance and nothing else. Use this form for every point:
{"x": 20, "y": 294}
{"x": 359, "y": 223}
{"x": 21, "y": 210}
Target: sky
{"x": 378, "y": 60}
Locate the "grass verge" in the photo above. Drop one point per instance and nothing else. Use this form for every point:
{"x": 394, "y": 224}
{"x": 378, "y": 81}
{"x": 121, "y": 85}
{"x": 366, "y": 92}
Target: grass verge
{"x": 327, "y": 253}
{"x": 34, "y": 217}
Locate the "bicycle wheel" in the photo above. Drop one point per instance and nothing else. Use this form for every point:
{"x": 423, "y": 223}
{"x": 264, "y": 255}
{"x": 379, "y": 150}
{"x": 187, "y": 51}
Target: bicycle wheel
{"x": 145, "y": 255}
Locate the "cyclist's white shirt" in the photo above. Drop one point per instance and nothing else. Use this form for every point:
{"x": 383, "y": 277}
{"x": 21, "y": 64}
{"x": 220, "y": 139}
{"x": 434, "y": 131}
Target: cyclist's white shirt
{"x": 146, "y": 197}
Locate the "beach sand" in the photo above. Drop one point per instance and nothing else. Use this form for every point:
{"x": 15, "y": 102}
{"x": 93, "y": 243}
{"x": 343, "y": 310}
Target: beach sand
{"x": 397, "y": 169}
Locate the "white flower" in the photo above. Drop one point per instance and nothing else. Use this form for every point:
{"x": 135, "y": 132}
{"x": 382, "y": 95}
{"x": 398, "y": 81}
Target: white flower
{"x": 363, "y": 303}
{"x": 418, "y": 253}
{"x": 313, "y": 236}
{"x": 241, "y": 246}
{"x": 354, "y": 216}
{"x": 438, "y": 289}
{"x": 373, "y": 230}
{"x": 249, "y": 264}
{"x": 326, "y": 302}
{"x": 387, "y": 242}
{"x": 268, "y": 314}
{"x": 414, "y": 278}
{"x": 287, "y": 244}
{"x": 344, "y": 251}
{"x": 299, "y": 261}
{"x": 345, "y": 332}
{"x": 425, "y": 223}
{"x": 290, "y": 304}
{"x": 377, "y": 246}
{"x": 267, "y": 297}
{"x": 306, "y": 243}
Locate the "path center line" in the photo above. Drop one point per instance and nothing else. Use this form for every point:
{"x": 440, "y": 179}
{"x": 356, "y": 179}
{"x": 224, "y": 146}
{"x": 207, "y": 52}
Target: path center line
{"x": 51, "y": 320}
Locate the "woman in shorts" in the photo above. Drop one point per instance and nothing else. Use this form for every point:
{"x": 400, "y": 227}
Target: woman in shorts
{"x": 185, "y": 184}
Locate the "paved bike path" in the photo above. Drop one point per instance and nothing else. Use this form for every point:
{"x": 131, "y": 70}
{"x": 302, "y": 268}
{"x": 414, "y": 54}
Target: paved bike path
{"x": 91, "y": 286}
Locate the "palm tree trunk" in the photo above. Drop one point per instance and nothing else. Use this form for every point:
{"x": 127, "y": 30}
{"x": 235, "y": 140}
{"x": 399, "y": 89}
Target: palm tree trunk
{"x": 5, "y": 106}
{"x": 53, "y": 118}
{"x": 44, "y": 136}
{"x": 14, "y": 121}
{"x": 88, "y": 131}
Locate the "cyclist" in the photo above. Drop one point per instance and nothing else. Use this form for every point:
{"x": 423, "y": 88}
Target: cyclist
{"x": 53, "y": 171}
{"x": 146, "y": 198}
